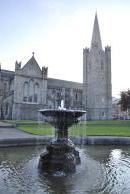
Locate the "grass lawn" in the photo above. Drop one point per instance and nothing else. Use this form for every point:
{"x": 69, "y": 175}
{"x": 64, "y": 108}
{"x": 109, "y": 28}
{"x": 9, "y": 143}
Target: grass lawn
{"x": 42, "y": 129}
{"x": 113, "y": 127}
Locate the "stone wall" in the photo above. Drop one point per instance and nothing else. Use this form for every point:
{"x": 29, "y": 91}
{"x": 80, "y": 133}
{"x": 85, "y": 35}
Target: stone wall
{"x": 24, "y": 111}
{"x": 6, "y": 93}
{"x": 97, "y": 84}
{"x": 70, "y": 92}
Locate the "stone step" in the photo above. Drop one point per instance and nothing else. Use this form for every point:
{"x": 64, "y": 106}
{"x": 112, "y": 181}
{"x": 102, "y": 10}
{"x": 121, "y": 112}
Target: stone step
{"x": 6, "y": 125}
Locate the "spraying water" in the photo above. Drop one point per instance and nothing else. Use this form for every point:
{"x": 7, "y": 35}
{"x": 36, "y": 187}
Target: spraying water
{"x": 62, "y": 104}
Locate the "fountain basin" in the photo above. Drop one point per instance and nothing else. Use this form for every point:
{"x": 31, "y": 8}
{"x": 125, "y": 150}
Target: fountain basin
{"x": 62, "y": 118}
{"x": 104, "y": 169}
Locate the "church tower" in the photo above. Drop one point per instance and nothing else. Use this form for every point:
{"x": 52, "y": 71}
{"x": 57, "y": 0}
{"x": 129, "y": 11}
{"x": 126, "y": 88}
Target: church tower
{"x": 97, "y": 95}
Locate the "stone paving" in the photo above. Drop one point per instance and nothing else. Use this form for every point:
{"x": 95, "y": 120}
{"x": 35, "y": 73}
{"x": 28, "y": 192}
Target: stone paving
{"x": 2, "y": 124}
{"x": 11, "y": 136}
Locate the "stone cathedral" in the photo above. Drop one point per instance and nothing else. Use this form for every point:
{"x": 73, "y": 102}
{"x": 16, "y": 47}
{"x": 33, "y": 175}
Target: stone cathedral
{"x": 27, "y": 89}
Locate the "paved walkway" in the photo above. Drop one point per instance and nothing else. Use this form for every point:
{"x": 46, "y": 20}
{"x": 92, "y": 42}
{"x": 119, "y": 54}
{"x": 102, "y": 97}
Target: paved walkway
{"x": 11, "y": 136}
{"x": 2, "y": 124}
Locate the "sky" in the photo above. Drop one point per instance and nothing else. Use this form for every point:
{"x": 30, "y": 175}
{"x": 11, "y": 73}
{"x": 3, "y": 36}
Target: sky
{"x": 58, "y": 30}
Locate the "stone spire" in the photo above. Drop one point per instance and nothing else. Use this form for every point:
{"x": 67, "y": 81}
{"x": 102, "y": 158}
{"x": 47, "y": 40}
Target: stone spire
{"x": 96, "y": 38}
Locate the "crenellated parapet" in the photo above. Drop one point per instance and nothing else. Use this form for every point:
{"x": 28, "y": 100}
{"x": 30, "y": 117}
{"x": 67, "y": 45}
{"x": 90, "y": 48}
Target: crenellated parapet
{"x": 107, "y": 48}
{"x": 17, "y": 65}
{"x": 86, "y": 50}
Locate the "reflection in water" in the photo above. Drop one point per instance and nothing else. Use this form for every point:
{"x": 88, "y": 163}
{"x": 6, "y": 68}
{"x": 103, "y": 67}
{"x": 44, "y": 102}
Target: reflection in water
{"x": 103, "y": 170}
{"x": 118, "y": 172}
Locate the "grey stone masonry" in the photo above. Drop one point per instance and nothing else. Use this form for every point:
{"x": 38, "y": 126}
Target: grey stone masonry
{"x": 29, "y": 89}
{"x": 97, "y": 97}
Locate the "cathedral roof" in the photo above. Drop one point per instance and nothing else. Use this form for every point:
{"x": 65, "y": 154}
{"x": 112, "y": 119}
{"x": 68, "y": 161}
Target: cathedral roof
{"x": 32, "y": 61}
{"x": 32, "y": 68}
{"x": 7, "y": 73}
{"x": 58, "y": 83}
{"x": 96, "y": 38}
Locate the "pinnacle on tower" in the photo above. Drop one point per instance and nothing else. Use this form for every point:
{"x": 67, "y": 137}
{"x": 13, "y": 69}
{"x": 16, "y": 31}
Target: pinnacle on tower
{"x": 33, "y": 54}
{"x": 96, "y": 38}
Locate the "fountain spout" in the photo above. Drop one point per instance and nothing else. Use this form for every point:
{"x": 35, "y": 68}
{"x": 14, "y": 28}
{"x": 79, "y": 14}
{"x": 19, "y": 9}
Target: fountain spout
{"x": 61, "y": 107}
{"x": 62, "y": 104}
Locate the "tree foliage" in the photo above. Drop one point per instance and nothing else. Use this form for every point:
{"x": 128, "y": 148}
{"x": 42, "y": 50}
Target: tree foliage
{"x": 125, "y": 100}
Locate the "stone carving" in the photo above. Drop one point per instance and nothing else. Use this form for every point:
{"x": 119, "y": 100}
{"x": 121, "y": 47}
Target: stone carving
{"x": 17, "y": 65}
{"x": 45, "y": 71}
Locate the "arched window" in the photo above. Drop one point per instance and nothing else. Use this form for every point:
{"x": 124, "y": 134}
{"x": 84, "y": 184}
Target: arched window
{"x": 31, "y": 90}
{"x": 36, "y": 92}
{"x": 89, "y": 65}
{"x": 102, "y": 65}
{"x": 25, "y": 92}
{"x": 76, "y": 96}
{"x": 6, "y": 109}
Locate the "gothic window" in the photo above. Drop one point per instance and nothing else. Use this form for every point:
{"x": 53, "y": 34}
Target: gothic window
{"x": 25, "y": 92}
{"x": 76, "y": 96}
{"x": 102, "y": 65}
{"x": 67, "y": 93}
{"x": 67, "y": 97}
{"x": 59, "y": 96}
{"x": 103, "y": 113}
{"x": 5, "y": 87}
{"x": 25, "y": 99}
{"x": 30, "y": 98}
{"x": 103, "y": 100}
{"x": 35, "y": 98}
{"x": 100, "y": 52}
{"x": 58, "y": 102}
{"x": 6, "y": 109}
{"x": 31, "y": 90}
{"x": 89, "y": 65}
{"x": 53, "y": 91}
{"x": 36, "y": 92}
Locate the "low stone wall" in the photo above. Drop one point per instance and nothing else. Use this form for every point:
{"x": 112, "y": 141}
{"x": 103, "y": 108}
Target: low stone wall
{"x": 14, "y": 142}
{"x": 101, "y": 140}
{"x": 77, "y": 140}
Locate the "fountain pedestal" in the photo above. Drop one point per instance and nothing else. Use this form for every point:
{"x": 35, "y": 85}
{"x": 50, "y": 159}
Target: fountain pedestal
{"x": 60, "y": 154}
{"x": 59, "y": 157}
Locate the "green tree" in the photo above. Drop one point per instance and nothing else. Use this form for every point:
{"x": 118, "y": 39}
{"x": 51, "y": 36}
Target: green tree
{"x": 125, "y": 100}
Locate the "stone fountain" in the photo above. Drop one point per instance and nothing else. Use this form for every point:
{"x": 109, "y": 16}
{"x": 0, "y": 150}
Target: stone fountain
{"x": 60, "y": 154}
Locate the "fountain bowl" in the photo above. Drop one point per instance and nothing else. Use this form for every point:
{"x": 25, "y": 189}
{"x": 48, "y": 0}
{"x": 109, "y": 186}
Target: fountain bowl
{"x": 62, "y": 118}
